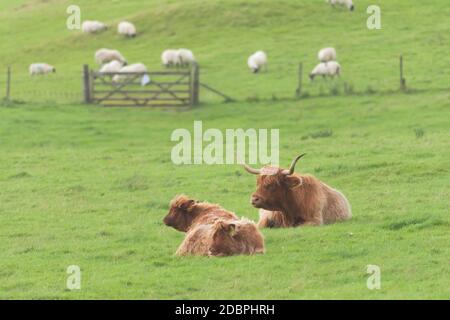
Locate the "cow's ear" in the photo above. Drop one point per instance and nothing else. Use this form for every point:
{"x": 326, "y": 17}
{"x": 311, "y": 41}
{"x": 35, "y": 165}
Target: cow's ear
{"x": 187, "y": 205}
{"x": 229, "y": 228}
{"x": 293, "y": 181}
{"x": 232, "y": 229}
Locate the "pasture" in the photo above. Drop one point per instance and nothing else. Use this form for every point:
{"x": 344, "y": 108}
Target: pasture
{"x": 89, "y": 186}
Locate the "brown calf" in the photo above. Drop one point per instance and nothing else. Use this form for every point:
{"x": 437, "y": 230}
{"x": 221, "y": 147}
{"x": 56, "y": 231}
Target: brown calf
{"x": 185, "y": 213}
{"x": 301, "y": 199}
{"x": 223, "y": 238}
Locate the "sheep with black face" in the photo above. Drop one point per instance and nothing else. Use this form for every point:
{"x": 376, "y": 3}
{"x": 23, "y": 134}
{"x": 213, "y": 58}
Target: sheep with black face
{"x": 347, "y": 3}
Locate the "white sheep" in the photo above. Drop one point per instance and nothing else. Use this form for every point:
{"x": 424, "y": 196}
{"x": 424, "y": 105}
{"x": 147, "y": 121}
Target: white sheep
{"x": 257, "y": 60}
{"x": 330, "y": 69}
{"x": 111, "y": 67}
{"x": 127, "y": 29}
{"x": 186, "y": 57}
{"x": 93, "y": 26}
{"x": 170, "y": 58}
{"x": 132, "y": 68}
{"x": 103, "y": 56}
{"x": 347, "y": 3}
{"x": 327, "y": 54}
{"x": 41, "y": 68}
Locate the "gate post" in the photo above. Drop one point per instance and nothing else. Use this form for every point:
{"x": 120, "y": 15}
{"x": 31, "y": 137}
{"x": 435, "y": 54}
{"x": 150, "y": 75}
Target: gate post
{"x": 402, "y": 79}
{"x": 86, "y": 84}
{"x": 8, "y": 83}
{"x": 195, "y": 84}
{"x": 298, "y": 92}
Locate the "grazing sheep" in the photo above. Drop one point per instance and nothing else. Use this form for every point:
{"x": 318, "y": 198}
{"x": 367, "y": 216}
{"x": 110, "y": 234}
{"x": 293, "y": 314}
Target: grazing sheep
{"x": 223, "y": 238}
{"x": 256, "y": 61}
{"x": 186, "y": 57}
{"x": 330, "y": 69}
{"x": 132, "y": 68}
{"x": 185, "y": 213}
{"x": 127, "y": 29}
{"x": 347, "y": 3}
{"x": 170, "y": 58}
{"x": 41, "y": 68}
{"x": 113, "y": 66}
{"x": 327, "y": 54}
{"x": 93, "y": 26}
{"x": 103, "y": 56}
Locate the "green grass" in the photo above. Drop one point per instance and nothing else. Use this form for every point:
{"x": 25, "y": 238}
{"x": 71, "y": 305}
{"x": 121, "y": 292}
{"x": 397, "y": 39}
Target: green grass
{"x": 89, "y": 186}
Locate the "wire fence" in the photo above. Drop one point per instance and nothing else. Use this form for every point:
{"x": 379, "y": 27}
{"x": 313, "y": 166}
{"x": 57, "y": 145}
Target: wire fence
{"x": 279, "y": 82}
{"x": 60, "y": 88}
{"x": 291, "y": 81}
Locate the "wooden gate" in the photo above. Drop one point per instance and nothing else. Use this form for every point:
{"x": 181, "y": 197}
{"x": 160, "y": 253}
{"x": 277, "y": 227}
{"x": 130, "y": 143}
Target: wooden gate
{"x": 178, "y": 88}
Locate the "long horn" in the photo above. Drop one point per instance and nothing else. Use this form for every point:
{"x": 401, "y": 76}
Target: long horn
{"x": 292, "y": 167}
{"x": 251, "y": 170}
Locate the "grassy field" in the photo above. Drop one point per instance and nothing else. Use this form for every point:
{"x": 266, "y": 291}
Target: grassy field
{"x": 88, "y": 186}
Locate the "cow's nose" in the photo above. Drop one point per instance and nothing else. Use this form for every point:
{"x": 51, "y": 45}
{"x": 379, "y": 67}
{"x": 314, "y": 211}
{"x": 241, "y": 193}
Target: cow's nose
{"x": 255, "y": 199}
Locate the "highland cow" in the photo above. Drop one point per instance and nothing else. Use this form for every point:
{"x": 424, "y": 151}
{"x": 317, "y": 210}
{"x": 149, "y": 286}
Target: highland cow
{"x": 273, "y": 219}
{"x": 301, "y": 199}
{"x": 223, "y": 238}
{"x": 185, "y": 213}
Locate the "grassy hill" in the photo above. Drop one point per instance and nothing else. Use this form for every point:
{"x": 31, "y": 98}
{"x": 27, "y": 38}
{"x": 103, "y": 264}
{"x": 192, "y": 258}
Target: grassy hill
{"x": 224, "y": 33}
{"x": 89, "y": 186}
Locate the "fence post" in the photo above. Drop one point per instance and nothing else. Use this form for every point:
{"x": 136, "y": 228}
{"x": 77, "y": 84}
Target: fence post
{"x": 300, "y": 80}
{"x": 86, "y": 84}
{"x": 8, "y": 83}
{"x": 195, "y": 84}
{"x": 402, "y": 79}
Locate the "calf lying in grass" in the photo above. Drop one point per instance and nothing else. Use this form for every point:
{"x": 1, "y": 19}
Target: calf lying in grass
{"x": 223, "y": 238}
{"x": 185, "y": 213}
{"x": 212, "y": 230}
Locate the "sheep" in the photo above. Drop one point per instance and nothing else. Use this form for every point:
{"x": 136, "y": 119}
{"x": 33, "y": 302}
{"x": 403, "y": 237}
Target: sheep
{"x": 330, "y": 69}
{"x": 132, "y": 68}
{"x": 257, "y": 60}
{"x": 347, "y": 3}
{"x": 111, "y": 67}
{"x": 103, "y": 56}
{"x": 327, "y": 54}
{"x": 223, "y": 238}
{"x": 170, "y": 58}
{"x": 41, "y": 68}
{"x": 127, "y": 29}
{"x": 93, "y": 26}
{"x": 186, "y": 57}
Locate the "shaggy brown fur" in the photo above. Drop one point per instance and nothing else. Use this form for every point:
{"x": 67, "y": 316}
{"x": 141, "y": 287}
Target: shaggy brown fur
{"x": 185, "y": 213}
{"x": 223, "y": 238}
{"x": 273, "y": 219}
{"x": 302, "y": 199}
